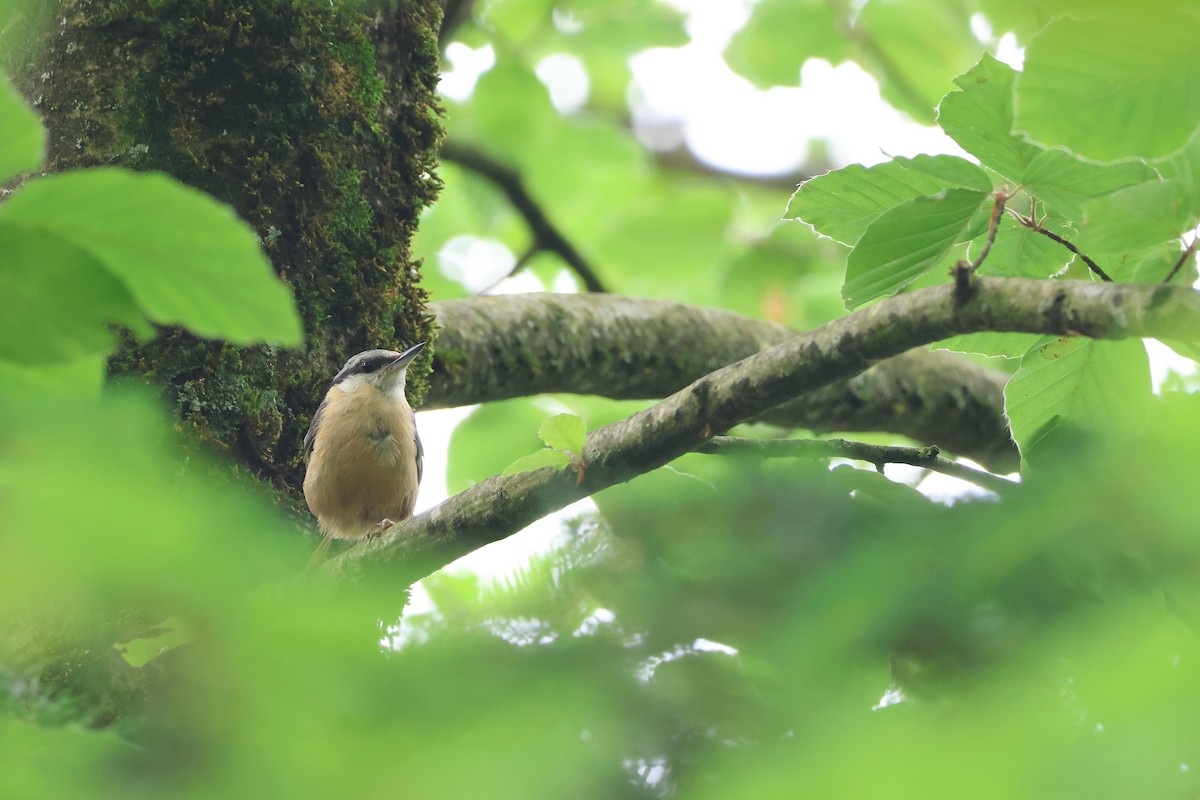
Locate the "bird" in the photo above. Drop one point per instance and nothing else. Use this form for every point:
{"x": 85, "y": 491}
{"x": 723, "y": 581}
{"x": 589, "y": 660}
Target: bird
{"x": 363, "y": 456}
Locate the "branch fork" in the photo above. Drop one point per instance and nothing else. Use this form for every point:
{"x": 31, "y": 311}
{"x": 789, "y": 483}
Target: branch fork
{"x": 500, "y": 506}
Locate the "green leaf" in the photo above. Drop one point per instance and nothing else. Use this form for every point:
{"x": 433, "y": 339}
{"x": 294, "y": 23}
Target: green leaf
{"x": 534, "y": 461}
{"x": 600, "y": 411}
{"x": 491, "y": 438}
{"x": 1027, "y": 17}
{"x": 468, "y": 205}
{"x": 1120, "y": 85}
{"x": 564, "y": 432}
{"x": 990, "y": 344}
{"x": 547, "y": 267}
{"x": 780, "y": 36}
{"x": 167, "y": 635}
{"x": 906, "y": 241}
{"x": 186, "y": 258}
{"x": 22, "y": 138}
{"x": 979, "y": 117}
{"x": 57, "y": 301}
{"x": 1152, "y": 265}
{"x": 1087, "y": 384}
{"x": 23, "y": 384}
{"x": 1021, "y": 252}
{"x": 1066, "y": 183}
{"x": 842, "y": 204}
{"x": 1185, "y": 349}
{"x": 870, "y": 487}
{"x": 1184, "y": 167}
{"x": 1136, "y": 218}
{"x": 162, "y": 510}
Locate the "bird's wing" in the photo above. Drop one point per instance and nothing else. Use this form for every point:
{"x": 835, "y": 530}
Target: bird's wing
{"x": 420, "y": 452}
{"x": 311, "y": 436}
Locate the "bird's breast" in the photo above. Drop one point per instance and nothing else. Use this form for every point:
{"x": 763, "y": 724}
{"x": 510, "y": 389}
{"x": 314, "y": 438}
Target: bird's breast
{"x": 369, "y": 429}
{"x": 364, "y": 462}
{"x": 390, "y": 441}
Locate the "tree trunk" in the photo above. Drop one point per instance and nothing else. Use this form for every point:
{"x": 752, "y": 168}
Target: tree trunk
{"x": 317, "y": 123}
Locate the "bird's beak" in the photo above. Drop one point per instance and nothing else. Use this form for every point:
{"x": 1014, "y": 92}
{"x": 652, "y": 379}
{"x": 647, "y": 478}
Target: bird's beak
{"x": 406, "y": 358}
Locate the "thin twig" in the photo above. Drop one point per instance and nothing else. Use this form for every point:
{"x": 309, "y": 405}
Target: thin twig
{"x": 545, "y": 235}
{"x": 1036, "y": 225}
{"x": 993, "y": 226}
{"x": 1191, "y": 248}
{"x": 925, "y": 457}
{"x": 1092, "y": 265}
{"x": 517, "y": 266}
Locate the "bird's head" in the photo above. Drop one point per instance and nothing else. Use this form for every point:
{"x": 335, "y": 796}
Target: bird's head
{"x": 383, "y": 369}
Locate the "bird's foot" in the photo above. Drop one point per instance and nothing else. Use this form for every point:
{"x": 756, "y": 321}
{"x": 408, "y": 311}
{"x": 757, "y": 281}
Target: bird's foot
{"x": 378, "y": 528}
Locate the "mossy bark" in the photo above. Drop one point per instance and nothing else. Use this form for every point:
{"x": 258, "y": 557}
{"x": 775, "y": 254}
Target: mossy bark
{"x": 317, "y": 122}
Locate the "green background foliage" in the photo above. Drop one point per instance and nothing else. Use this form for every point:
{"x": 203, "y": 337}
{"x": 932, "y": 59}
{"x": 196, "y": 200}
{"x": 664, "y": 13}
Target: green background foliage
{"x": 721, "y": 627}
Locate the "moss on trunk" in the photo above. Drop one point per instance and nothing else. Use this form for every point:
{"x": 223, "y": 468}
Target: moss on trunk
{"x": 318, "y": 123}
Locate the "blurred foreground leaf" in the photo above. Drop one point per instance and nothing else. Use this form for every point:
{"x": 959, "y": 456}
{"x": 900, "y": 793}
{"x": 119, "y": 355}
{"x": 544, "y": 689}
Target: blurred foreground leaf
{"x": 186, "y": 258}
{"x": 58, "y": 301}
{"x": 22, "y": 138}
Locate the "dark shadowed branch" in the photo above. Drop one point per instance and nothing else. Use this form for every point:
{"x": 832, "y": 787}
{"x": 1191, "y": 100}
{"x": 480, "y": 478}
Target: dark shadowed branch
{"x": 1035, "y": 225}
{"x": 546, "y": 235}
{"x": 1183, "y": 257}
{"x": 877, "y": 454}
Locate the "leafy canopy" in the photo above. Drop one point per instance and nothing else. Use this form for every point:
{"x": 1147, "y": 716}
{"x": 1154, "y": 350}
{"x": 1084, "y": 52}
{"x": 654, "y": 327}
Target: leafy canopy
{"x": 905, "y": 218}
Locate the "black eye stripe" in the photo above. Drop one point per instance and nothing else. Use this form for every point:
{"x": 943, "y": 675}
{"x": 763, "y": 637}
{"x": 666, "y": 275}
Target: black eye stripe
{"x": 365, "y": 364}
{"x": 374, "y": 365}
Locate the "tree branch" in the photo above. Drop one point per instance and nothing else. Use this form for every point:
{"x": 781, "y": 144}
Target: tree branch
{"x": 545, "y": 235}
{"x": 877, "y": 454}
{"x": 502, "y": 505}
{"x": 1036, "y": 225}
{"x": 494, "y": 348}
{"x": 1000, "y": 199}
{"x": 1183, "y": 257}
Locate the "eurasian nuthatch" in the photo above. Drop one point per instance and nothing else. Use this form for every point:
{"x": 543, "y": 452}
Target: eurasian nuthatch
{"x": 364, "y": 456}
